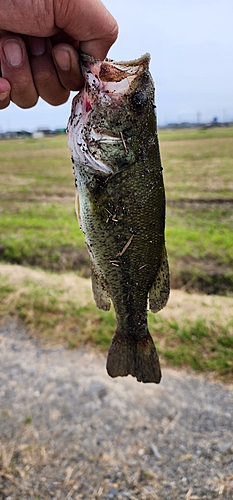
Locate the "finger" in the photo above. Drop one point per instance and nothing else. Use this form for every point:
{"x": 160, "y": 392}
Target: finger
{"x": 99, "y": 47}
{"x": 16, "y": 70}
{"x": 67, "y": 64}
{"x": 5, "y": 89}
{"x": 93, "y": 25}
{"x": 44, "y": 72}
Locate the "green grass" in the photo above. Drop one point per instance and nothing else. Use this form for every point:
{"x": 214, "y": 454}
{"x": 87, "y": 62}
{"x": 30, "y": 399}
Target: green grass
{"x": 179, "y": 134}
{"x": 186, "y": 235}
{"x": 198, "y": 168}
{"x": 38, "y": 224}
{"x": 45, "y": 235}
{"x": 202, "y": 344}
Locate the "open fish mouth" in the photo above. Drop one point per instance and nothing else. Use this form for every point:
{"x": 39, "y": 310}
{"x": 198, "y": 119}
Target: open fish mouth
{"x": 111, "y": 77}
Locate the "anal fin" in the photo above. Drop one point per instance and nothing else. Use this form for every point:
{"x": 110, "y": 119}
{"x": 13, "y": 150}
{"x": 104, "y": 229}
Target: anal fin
{"x": 100, "y": 295}
{"x": 160, "y": 290}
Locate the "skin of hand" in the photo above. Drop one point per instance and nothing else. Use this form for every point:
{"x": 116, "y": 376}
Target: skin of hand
{"x": 39, "y": 40}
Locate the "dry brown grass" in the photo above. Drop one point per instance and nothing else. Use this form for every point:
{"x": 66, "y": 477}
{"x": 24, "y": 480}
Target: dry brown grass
{"x": 193, "y": 330}
{"x": 69, "y": 288}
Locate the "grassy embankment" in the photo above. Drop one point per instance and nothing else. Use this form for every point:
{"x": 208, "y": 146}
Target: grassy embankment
{"x": 38, "y": 228}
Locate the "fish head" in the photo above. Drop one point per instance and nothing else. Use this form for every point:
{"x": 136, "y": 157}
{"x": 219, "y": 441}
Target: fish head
{"x": 111, "y": 113}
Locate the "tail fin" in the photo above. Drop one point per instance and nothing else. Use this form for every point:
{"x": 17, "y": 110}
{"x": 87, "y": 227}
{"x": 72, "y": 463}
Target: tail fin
{"x": 138, "y": 358}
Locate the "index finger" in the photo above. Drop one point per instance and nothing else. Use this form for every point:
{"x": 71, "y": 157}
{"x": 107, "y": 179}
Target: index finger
{"x": 87, "y": 22}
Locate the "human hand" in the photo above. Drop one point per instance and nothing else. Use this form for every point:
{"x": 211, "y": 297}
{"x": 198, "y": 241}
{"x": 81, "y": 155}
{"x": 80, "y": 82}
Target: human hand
{"x": 38, "y": 47}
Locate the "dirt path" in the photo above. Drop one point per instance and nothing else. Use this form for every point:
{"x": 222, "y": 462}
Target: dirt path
{"x": 68, "y": 431}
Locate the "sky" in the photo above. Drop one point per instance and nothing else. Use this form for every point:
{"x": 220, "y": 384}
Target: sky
{"x": 191, "y": 47}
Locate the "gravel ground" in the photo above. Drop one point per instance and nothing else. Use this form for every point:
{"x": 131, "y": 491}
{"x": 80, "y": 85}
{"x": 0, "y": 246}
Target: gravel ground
{"x": 68, "y": 431}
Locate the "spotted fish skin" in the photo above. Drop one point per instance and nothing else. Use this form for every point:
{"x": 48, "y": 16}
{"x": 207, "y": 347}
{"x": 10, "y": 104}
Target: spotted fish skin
{"x": 112, "y": 136}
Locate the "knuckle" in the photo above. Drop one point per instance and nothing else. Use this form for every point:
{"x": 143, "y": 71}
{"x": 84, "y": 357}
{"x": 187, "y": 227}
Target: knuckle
{"x": 50, "y": 89}
{"x": 112, "y": 31}
{"x": 21, "y": 84}
{"x": 44, "y": 78}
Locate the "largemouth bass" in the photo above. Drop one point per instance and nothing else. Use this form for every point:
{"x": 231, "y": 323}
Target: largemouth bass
{"x": 112, "y": 135}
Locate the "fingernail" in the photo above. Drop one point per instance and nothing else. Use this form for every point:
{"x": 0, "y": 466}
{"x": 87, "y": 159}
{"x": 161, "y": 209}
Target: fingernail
{"x": 4, "y": 95}
{"x": 36, "y": 45}
{"x": 13, "y": 52}
{"x": 62, "y": 58}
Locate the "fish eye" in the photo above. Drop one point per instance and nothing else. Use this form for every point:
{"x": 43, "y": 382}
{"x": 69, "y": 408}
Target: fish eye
{"x": 138, "y": 100}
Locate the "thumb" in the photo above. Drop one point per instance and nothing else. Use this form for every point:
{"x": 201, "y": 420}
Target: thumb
{"x": 87, "y": 22}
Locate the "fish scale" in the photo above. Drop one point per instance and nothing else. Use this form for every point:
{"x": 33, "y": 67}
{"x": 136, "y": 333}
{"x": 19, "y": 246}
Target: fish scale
{"x": 122, "y": 205}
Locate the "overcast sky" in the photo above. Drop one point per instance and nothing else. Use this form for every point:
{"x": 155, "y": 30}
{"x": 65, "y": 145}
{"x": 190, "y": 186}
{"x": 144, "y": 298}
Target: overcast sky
{"x": 191, "y": 47}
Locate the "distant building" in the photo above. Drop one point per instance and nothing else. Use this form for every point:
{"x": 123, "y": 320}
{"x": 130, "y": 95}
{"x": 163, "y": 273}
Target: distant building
{"x": 22, "y": 134}
{"x": 38, "y": 134}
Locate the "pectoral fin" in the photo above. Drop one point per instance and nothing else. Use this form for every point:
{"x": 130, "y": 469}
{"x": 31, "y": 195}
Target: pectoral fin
{"x": 101, "y": 296}
{"x": 159, "y": 292}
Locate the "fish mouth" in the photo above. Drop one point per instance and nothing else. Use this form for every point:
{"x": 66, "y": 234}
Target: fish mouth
{"x": 110, "y": 76}
{"x": 111, "y": 70}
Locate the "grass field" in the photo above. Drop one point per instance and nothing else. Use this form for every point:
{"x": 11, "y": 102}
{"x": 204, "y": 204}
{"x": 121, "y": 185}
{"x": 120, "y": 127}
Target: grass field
{"x": 38, "y": 223}
{"x": 38, "y": 227}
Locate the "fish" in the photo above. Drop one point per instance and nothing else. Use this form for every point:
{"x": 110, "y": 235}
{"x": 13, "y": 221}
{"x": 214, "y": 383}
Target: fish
{"x": 112, "y": 136}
